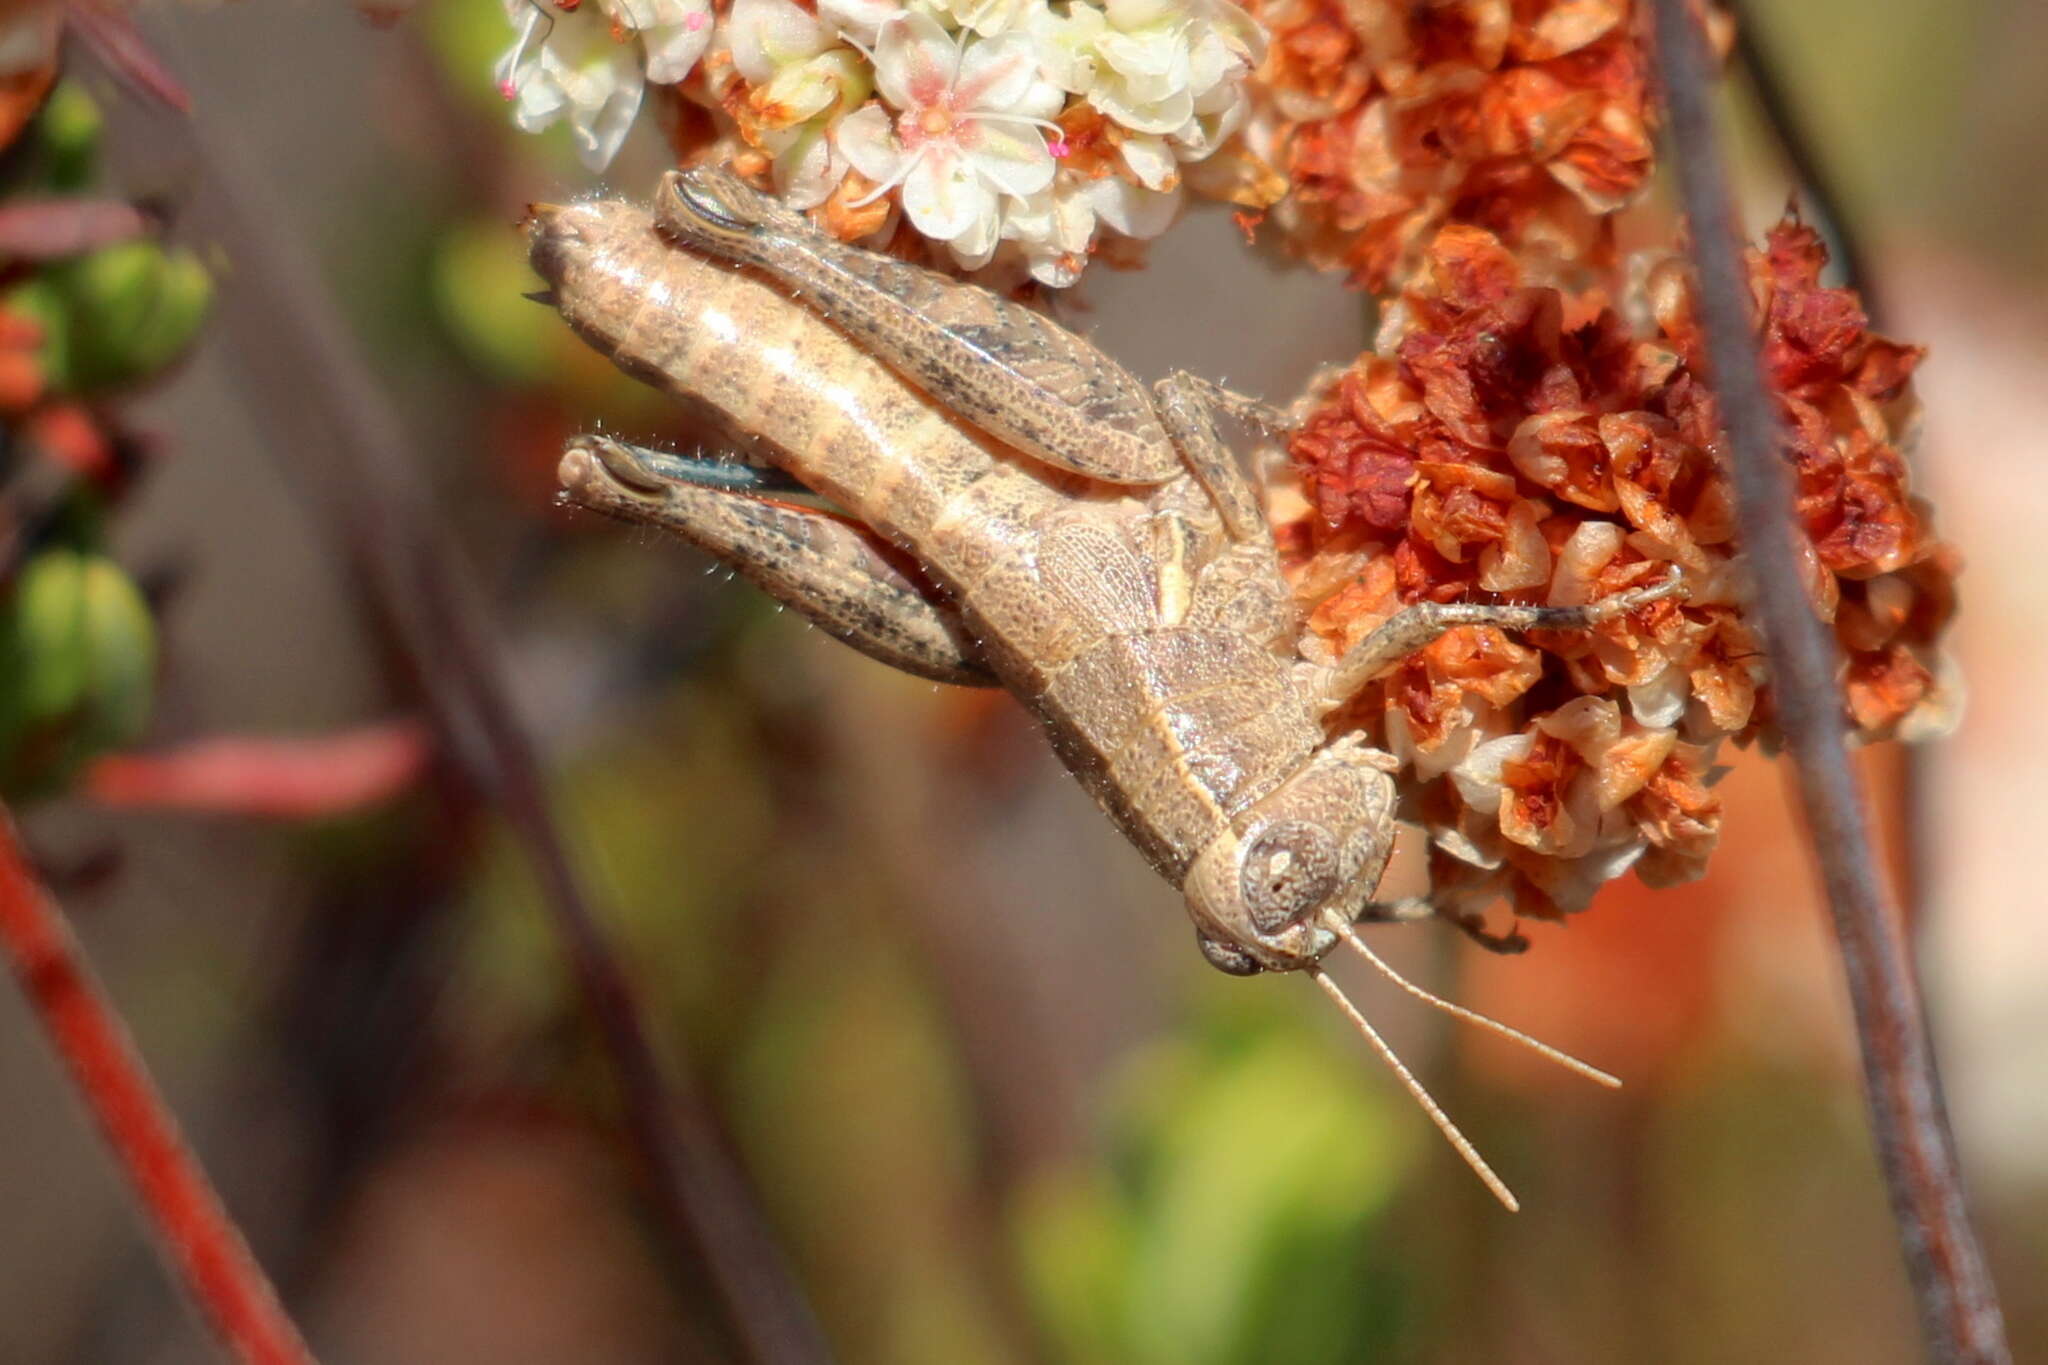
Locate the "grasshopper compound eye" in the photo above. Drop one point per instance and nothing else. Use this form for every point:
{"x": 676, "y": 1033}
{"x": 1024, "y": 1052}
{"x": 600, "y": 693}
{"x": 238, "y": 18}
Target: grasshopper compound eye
{"x": 1231, "y": 961}
{"x": 1287, "y": 873}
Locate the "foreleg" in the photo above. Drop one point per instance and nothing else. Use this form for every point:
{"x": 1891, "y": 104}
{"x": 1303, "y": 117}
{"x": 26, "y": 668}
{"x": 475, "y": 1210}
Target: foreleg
{"x": 1473, "y": 926}
{"x": 1255, "y": 413}
{"x": 1418, "y": 626}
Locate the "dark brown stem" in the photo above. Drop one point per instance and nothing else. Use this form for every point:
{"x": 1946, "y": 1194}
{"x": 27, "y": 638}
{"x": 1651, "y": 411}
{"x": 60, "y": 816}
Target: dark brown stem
{"x": 1958, "y": 1307}
{"x": 338, "y": 438}
{"x": 202, "y": 1247}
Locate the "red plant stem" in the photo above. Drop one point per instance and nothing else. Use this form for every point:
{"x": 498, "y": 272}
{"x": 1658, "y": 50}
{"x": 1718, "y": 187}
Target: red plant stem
{"x": 200, "y": 1241}
{"x": 1958, "y": 1306}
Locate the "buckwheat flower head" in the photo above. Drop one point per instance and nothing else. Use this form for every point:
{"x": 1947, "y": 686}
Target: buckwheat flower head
{"x": 1510, "y": 439}
{"x": 966, "y": 129}
{"x": 1532, "y": 120}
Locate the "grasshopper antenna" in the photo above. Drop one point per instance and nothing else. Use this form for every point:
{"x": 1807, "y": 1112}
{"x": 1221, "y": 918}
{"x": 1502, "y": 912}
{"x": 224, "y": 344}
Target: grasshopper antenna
{"x": 1563, "y": 1059}
{"x": 1430, "y": 1107}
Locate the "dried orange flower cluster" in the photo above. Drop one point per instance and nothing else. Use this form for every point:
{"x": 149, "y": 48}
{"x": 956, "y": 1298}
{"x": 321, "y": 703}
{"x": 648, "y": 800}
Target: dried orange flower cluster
{"x": 1509, "y": 440}
{"x": 1531, "y": 118}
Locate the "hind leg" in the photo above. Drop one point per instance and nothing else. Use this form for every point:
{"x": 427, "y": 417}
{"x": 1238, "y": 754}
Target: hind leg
{"x": 833, "y": 570}
{"x": 1188, "y": 405}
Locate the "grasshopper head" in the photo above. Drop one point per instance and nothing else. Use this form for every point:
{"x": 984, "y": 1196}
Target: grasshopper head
{"x": 715, "y": 210}
{"x": 1261, "y": 892}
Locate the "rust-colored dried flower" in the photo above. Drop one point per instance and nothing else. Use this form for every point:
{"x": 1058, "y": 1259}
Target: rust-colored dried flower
{"x": 1508, "y": 440}
{"x": 1529, "y": 118}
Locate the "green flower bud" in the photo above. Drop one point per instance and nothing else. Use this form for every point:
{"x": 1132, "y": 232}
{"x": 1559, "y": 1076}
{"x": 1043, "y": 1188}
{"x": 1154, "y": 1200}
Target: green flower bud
{"x": 77, "y": 668}
{"x": 68, "y": 138}
{"x": 45, "y": 665}
{"x": 41, "y": 300}
{"x": 115, "y": 317}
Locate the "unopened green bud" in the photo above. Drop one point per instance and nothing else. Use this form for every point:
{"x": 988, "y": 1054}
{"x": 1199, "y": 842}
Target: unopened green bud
{"x": 116, "y": 317}
{"x": 77, "y": 668}
{"x": 120, "y": 659}
{"x": 68, "y": 136}
{"x": 45, "y": 664}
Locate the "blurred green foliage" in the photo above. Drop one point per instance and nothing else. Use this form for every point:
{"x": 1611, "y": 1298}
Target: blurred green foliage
{"x": 1235, "y": 1219}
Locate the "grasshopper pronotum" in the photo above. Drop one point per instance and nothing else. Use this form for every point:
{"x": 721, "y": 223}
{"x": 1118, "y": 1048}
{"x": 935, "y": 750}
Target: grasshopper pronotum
{"x": 1095, "y": 549}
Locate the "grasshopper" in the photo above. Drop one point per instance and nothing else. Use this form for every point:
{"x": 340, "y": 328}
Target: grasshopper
{"x": 1012, "y": 508}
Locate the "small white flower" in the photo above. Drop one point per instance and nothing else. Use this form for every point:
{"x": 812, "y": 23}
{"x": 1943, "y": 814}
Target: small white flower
{"x": 1066, "y": 44}
{"x": 768, "y": 35}
{"x": 986, "y": 17}
{"x": 589, "y": 62}
{"x": 1053, "y": 229}
{"x": 566, "y": 64}
{"x": 859, "y": 20}
{"x": 1168, "y": 68}
{"x": 801, "y": 78}
{"x": 1144, "y": 80}
{"x": 967, "y": 130}
{"x": 1150, "y": 159}
{"x": 674, "y": 33}
{"x": 1133, "y": 210}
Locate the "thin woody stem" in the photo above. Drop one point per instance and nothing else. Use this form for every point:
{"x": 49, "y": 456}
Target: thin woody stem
{"x": 202, "y": 1247}
{"x": 1958, "y": 1306}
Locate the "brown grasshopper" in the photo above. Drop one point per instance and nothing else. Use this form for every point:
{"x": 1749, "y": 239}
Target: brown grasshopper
{"x": 1015, "y": 510}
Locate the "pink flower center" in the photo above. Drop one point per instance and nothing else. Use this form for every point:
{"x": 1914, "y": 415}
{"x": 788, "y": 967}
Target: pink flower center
{"x": 695, "y": 23}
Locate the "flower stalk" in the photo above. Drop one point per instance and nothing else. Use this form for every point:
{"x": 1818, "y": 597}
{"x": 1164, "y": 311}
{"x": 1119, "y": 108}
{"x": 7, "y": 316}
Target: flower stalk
{"x": 202, "y": 1247}
{"x": 1958, "y": 1305}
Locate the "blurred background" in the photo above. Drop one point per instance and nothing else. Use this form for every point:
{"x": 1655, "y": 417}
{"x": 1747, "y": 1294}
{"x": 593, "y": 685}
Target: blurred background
{"x": 991, "y": 1103}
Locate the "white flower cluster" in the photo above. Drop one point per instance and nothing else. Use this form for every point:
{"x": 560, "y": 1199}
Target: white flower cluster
{"x": 1025, "y": 123}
